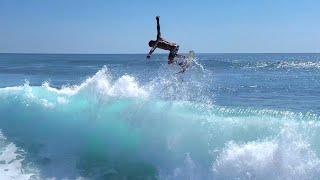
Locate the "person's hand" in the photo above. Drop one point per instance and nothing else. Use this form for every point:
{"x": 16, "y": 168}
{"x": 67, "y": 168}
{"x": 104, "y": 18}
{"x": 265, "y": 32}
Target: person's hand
{"x": 158, "y": 17}
{"x": 148, "y": 57}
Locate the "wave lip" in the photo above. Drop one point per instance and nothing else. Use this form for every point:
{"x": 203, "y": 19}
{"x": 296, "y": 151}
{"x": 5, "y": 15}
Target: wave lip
{"x": 101, "y": 83}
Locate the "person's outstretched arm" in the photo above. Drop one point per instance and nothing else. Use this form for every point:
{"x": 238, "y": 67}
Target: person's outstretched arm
{"x": 158, "y": 27}
{"x": 152, "y": 49}
{"x": 158, "y": 38}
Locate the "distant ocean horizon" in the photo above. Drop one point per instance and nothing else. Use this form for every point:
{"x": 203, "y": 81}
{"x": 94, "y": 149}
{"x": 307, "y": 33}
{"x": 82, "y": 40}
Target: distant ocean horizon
{"x": 139, "y": 53}
{"x": 121, "y": 116}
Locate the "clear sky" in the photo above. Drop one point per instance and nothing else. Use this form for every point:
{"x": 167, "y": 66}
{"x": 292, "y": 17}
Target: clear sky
{"x": 126, "y": 26}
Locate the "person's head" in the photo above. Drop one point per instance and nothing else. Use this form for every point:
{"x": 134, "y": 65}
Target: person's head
{"x": 152, "y": 43}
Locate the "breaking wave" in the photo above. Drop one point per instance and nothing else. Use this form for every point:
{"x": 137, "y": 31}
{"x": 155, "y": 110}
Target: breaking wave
{"x": 109, "y": 128}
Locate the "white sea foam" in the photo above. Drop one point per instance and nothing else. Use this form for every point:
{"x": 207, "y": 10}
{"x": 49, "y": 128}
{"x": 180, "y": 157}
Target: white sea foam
{"x": 287, "y": 157}
{"x": 11, "y": 159}
{"x": 309, "y": 65}
{"x": 101, "y": 83}
{"x": 300, "y": 65}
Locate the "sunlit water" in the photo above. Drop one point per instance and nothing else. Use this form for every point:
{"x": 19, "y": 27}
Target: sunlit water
{"x": 229, "y": 116}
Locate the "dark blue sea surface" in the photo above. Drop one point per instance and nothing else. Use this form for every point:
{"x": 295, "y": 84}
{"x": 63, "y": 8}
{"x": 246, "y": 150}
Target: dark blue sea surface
{"x": 121, "y": 116}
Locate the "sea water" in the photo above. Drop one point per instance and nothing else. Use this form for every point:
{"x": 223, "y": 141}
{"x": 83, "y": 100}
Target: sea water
{"x": 229, "y": 116}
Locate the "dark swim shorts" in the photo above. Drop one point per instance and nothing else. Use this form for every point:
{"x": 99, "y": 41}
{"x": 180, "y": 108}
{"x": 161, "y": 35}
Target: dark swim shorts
{"x": 173, "y": 53}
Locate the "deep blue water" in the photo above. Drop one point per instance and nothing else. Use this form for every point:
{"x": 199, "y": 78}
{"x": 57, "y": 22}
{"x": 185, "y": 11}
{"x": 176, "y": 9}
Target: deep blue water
{"x": 229, "y": 116}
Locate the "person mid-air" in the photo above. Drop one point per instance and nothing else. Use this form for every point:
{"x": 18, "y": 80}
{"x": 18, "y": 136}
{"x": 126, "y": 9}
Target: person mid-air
{"x": 165, "y": 45}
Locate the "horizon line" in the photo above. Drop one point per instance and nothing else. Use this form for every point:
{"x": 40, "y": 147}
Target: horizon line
{"x": 44, "y": 53}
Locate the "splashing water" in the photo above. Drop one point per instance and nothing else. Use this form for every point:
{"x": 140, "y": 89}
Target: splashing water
{"x": 166, "y": 128}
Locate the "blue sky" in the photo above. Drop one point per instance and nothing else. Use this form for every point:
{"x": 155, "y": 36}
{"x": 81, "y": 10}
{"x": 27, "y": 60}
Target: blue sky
{"x": 126, "y": 26}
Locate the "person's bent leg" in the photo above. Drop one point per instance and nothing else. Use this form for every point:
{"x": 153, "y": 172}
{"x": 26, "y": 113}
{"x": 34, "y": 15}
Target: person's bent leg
{"x": 171, "y": 58}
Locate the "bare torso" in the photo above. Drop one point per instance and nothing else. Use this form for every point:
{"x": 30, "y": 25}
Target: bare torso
{"x": 166, "y": 46}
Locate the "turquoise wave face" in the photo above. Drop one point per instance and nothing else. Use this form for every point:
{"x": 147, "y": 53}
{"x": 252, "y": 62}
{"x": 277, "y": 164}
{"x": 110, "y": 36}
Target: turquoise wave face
{"x": 104, "y": 129}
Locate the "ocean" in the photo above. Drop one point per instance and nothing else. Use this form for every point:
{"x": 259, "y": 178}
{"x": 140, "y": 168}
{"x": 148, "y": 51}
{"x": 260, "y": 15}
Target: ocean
{"x": 121, "y": 116}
